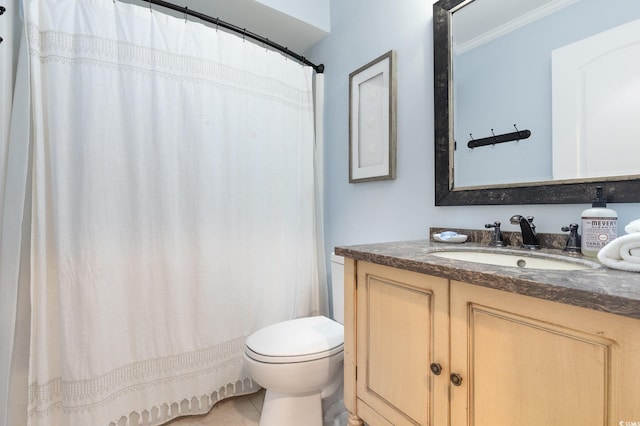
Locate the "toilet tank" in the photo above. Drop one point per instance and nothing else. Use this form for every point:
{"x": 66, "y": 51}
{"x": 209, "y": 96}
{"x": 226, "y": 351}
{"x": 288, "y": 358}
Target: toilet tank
{"x": 337, "y": 287}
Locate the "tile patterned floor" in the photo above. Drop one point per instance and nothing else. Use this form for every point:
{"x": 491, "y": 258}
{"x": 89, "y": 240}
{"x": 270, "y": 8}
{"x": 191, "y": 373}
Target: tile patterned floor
{"x": 237, "y": 411}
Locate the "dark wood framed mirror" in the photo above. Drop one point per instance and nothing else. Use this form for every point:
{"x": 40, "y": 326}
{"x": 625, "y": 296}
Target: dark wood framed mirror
{"x": 618, "y": 189}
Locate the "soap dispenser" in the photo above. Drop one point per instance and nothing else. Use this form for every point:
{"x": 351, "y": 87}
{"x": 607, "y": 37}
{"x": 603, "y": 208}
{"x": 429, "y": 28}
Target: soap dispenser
{"x": 599, "y": 225}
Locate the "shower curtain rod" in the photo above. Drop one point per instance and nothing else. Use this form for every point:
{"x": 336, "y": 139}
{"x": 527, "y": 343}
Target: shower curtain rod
{"x": 219, "y": 23}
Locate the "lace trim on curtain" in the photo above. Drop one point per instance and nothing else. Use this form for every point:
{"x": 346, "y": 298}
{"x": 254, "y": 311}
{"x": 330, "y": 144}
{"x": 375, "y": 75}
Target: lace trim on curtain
{"x": 53, "y": 46}
{"x": 187, "y": 407}
{"x": 86, "y": 395}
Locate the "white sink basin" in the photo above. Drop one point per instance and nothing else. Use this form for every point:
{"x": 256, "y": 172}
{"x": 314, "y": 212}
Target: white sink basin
{"x": 518, "y": 261}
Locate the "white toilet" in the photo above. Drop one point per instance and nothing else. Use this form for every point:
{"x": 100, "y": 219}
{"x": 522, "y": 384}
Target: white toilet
{"x": 300, "y": 364}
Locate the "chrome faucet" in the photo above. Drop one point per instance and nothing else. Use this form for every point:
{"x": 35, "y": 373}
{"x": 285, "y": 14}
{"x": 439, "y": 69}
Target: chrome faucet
{"x": 528, "y": 230}
{"x": 496, "y": 236}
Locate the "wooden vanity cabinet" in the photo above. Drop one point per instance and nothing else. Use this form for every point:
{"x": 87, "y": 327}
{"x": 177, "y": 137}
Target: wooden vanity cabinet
{"x": 529, "y": 362}
{"x": 503, "y": 359}
{"x": 401, "y": 329}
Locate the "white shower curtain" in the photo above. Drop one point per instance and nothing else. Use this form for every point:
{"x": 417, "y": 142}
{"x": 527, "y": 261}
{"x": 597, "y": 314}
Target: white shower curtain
{"x": 14, "y": 220}
{"x": 173, "y": 210}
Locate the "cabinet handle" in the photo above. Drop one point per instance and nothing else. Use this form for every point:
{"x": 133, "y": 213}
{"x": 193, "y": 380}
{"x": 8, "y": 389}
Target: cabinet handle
{"x": 456, "y": 379}
{"x": 436, "y": 368}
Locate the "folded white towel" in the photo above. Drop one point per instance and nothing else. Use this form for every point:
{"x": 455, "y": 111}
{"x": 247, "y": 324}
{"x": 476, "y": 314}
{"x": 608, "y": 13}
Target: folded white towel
{"x": 622, "y": 253}
{"x": 633, "y": 226}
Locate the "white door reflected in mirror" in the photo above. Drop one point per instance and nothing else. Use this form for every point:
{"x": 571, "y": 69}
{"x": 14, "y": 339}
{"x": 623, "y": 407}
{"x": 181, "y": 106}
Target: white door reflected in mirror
{"x": 596, "y": 100}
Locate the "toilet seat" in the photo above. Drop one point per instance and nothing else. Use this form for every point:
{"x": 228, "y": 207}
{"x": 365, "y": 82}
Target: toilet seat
{"x": 298, "y": 340}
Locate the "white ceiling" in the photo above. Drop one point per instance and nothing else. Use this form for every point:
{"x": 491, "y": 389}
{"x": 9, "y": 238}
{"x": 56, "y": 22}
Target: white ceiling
{"x": 256, "y": 17}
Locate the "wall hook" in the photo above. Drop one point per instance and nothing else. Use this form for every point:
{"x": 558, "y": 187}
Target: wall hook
{"x": 496, "y": 139}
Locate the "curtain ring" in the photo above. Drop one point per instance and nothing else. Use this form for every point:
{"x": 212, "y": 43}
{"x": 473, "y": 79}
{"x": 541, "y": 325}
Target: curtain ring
{"x": 217, "y": 21}
{"x": 244, "y": 33}
{"x": 150, "y": 3}
{"x": 186, "y": 11}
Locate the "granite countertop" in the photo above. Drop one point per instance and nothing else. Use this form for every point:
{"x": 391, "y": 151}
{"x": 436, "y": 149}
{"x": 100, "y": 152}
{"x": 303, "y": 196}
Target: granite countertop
{"x": 600, "y": 288}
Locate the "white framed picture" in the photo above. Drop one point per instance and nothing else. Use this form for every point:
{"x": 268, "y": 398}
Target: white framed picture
{"x": 372, "y": 120}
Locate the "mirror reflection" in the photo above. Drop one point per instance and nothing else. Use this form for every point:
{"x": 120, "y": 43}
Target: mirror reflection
{"x": 567, "y": 71}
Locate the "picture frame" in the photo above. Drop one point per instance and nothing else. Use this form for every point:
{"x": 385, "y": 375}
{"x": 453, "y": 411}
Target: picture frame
{"x": 372, "y": 120}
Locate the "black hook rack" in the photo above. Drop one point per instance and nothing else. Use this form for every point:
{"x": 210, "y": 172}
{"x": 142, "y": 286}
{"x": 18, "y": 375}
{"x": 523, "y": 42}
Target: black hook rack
{"x": 518, "y": 135}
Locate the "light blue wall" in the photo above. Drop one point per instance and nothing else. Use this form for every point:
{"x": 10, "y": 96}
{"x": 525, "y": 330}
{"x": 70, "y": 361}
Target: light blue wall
{"x": 403, "y": 208}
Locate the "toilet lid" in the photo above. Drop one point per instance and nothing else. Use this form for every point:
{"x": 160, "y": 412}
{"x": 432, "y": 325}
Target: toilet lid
{"x": 302, "y": 336}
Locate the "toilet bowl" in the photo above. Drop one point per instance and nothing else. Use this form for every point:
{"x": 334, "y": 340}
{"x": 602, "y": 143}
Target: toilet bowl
{"x": 300, "y": 364}
{"x": 295, "y": 361}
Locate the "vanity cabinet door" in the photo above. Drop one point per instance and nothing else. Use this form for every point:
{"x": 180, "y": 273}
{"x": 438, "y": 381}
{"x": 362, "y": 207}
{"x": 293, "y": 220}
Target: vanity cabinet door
{"x": 529, "y": 362}
{"x": 402, "y": 333}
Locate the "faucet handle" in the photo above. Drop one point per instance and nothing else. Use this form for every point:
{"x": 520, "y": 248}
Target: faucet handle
{"x": 573, "y": 241}
{"x": 531, "y": 224}
{"x": 496, "y": 235}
